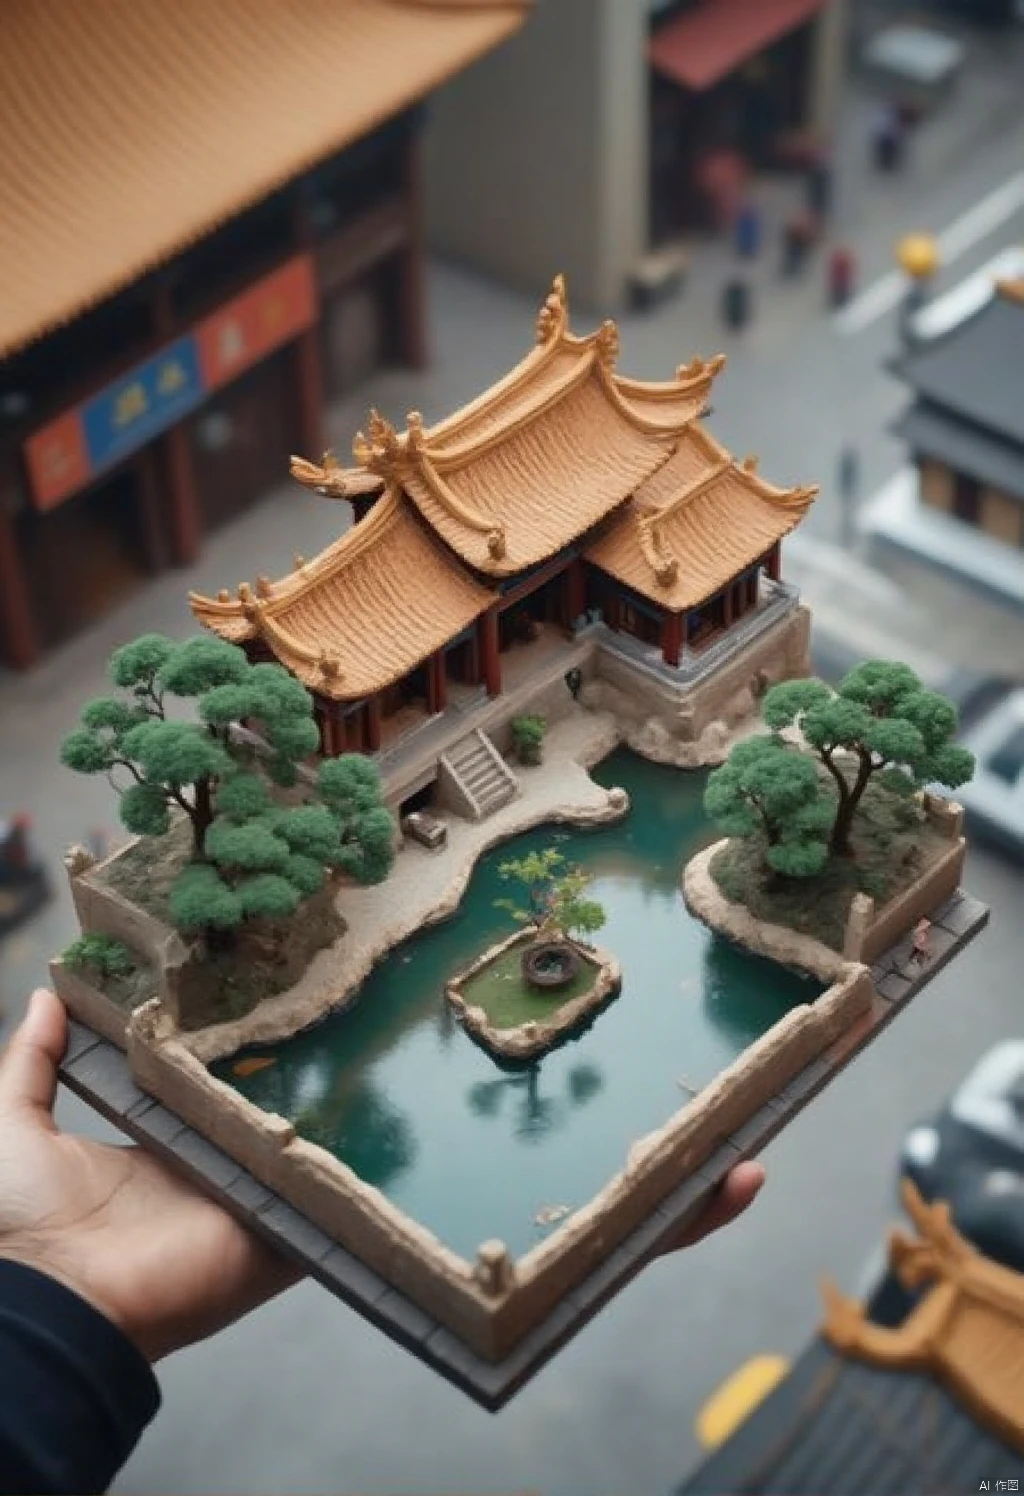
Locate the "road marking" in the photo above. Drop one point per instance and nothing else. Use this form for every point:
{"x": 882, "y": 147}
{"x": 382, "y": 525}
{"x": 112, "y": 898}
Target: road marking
{"x": 976, "y": 224}
{"x": 969, "y": 295}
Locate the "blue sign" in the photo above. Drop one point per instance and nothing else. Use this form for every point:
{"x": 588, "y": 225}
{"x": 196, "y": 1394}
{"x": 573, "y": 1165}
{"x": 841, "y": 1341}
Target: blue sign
{"x": 144, "y": 402}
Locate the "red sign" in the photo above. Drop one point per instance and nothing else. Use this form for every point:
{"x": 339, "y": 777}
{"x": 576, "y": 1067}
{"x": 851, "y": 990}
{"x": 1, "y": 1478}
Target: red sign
{"x": 58, "y": 460}
{"x": 257, "y": 322}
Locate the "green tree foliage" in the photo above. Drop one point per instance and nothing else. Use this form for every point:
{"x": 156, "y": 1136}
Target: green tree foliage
{"x": 528, "y": 733}
{"x": 350, "y": 788}
{"x": 556, "y": 895}
{"x": 251, "y": 856}
{"x": 770, "y": 790}
{"x": 880, "y": 721}
{"x": 101, "y": 955}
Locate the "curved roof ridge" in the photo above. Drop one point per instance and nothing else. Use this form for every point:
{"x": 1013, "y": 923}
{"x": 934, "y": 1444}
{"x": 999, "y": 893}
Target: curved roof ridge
{"x": 329, "y": 478}
{"x": 644, "y": 424}
{"x": 552, "y": 335}
{"x": 664, "y": 567}
{"x": 689, "y": 492}
{"x": 688, "y": 377}
{"x": 439, "y": 490}
{"x": 446, "y": 459}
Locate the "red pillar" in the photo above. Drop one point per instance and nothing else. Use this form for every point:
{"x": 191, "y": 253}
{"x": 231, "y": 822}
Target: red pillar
{"x": 752, "y": 590}
{"x": 413, "y": 290}
{"x": 773, "y": 565}
{"x": 185, "y": 523}
{"x": 575, "y": 591}
{"x": 373, "y": 724}
{"x": 440, "y": 682}
{"x": 672, "y": 638}
{"x": 19, "y": 643}
{"x": 153, "y": 545}
{"x": 490, "y": 653}
{"x": 728, "y": 611}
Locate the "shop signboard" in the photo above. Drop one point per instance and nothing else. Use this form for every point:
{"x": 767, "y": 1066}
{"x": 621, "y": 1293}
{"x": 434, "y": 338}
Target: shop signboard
{"x": 84, "y": 442}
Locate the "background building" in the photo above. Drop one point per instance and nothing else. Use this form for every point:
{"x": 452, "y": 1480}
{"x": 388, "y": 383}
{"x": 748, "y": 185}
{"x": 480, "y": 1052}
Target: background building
{"x": 603, "y": 117}
{"x": 210, "y": 222}
{"x": 964, "y": 427}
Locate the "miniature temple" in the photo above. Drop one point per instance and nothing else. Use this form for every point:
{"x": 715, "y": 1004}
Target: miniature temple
{"x": 564, "y": 496}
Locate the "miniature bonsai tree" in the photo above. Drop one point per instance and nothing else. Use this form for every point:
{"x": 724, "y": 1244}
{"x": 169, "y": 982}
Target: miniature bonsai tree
{"x": 251, "y": 856}
{"x": 556, "y": 902}
{"x": 528, "y": 738}
{"x": 880, "y": 723}
{"x": 770, "y": 790}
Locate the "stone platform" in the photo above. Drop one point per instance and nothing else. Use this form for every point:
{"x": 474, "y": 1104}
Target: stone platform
{"x": 98, "y": 1072}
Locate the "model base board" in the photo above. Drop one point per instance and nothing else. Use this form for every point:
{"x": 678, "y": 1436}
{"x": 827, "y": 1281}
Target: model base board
{"x": 98, "y": 1072}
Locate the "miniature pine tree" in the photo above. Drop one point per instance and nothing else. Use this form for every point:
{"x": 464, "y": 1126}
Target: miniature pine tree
{"x": 880, "y": 722}
{"x": 251, "y": 857}
{"x": 766, "y": 789}
{"x": 350, "y": 788}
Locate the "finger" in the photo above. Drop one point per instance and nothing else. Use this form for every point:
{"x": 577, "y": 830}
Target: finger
{"x": 28, "y": 1068}
{"x": 736, "y": 1194}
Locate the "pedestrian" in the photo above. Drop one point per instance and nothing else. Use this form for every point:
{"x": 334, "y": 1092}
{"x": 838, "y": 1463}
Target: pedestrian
{"x": 889, "y": 138}
{"x": 848, "y": 483}
{"x": 748, "y": 231}
{"x": 818, "y": 185}
{"x": 736, "y": 304}
{"x": 798, "y": 234}
{"x": 840, "y": 275}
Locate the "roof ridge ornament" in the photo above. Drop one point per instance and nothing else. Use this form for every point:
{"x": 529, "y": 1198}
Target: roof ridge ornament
{"x": 414, "y": 438}
{"x": 606, "y": 343}
{"x": 652, "y": 546}
{"x": 382, "y": 451}
{"x": 327, "y": 478}
{"x": 553, "y": 317}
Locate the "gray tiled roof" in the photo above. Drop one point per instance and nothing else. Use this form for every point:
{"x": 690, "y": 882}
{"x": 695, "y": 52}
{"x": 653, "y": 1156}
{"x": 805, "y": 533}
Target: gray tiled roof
{"x": 965, "y": 447}
{"x": 976, "y": 370}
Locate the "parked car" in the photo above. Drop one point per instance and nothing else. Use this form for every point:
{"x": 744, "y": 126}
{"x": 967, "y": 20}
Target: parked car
{"x": 24, "y": 885}
{"x": 994, "y": 799}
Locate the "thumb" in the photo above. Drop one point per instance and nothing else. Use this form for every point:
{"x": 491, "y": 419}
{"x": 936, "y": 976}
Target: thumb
{"x": 28, "y": 1067}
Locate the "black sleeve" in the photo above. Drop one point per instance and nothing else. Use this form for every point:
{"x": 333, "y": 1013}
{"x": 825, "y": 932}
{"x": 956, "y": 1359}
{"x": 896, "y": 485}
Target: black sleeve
{"x": 75, "y": 1394}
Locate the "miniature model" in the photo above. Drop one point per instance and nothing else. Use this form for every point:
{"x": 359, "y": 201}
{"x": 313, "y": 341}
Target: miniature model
{"x": 815, "y": 820}
{"x": 570, "y": 563}
{"x": 236, "y": 860}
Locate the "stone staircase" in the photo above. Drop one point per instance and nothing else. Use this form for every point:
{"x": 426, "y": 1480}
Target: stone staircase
{"x": 477, "y": 776}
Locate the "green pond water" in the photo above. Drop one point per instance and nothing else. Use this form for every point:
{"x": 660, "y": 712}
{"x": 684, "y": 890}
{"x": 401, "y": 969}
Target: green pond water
{"x": 396, "y": 1089}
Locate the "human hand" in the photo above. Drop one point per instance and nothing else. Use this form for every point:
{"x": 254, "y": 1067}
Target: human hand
{"x": 161, "y": 1261}
{"x": 738, "y": 1190}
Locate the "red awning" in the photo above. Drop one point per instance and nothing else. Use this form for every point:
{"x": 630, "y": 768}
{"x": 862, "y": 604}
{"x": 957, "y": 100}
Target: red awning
{"x": 701, "y": 47}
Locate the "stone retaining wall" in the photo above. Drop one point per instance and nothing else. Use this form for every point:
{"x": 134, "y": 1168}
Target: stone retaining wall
{"x": 411, "y": 1258}
{"x": 870, "y": 932}
{"x": 101, "y": 910}
{"x": 89, "y": 1004}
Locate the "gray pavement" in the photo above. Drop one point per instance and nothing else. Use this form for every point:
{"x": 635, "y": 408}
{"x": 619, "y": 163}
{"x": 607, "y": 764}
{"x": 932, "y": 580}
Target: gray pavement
{"x": 304, "y": 1396}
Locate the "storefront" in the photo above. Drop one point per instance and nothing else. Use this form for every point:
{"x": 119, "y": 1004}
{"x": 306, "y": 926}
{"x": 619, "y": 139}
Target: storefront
{"x": 730, "y": 85}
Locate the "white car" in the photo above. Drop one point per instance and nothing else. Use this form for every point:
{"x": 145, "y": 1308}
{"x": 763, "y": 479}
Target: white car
{"x": 994, "y": 799}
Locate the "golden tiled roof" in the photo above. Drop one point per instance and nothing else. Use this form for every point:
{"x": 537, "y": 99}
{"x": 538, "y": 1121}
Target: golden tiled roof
{"x": 363, "y": 613}
{"x": 544, "y": 454}
{"x": 966, "y": 1327}
{"x": 696, "y": 524}
{"x": 131, "y": 130}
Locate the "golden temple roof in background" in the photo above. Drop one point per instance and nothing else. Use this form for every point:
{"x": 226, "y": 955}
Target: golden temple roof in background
{"x": 558, "y": 448}
{"x": 131, "y": 130}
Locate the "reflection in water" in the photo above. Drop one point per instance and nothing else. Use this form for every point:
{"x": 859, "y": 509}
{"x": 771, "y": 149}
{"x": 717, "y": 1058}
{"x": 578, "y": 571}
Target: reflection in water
{"x": 727, "y": 997}
{"x": 394, "y": 1087}
{"x": 535, "y": 1113}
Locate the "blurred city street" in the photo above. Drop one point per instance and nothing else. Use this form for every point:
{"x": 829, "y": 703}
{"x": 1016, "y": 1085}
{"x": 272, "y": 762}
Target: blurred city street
{"x": 304, "y": 1396}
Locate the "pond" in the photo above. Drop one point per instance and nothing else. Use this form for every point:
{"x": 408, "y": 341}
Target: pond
{"x": 396, "y": 1089}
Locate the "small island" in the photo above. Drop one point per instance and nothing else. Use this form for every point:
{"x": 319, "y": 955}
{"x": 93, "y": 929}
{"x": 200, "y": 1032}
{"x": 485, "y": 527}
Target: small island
{"x": 531, "y": 991}
{"x": 837, "y": 841}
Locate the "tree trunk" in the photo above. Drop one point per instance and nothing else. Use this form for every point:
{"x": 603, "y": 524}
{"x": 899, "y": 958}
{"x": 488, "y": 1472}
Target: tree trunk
{"x": 203, "y": 813}
{"x": 848, "y": 802}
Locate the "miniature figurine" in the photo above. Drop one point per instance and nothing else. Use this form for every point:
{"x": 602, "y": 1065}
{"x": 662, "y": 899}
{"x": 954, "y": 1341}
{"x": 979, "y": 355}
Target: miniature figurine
{"x": 920, "y": 950}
